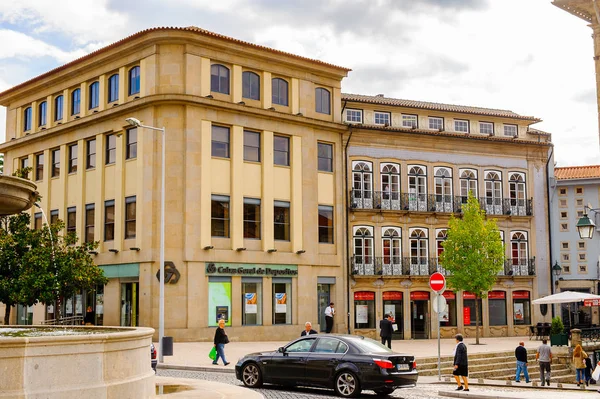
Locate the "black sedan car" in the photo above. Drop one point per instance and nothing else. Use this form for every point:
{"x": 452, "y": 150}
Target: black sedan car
{"x": 346, "y": 363}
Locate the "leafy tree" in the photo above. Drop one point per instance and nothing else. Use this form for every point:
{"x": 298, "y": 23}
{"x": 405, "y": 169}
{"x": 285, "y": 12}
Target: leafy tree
{"x": 473, "y": 253}
{"x": 1, "y": 164}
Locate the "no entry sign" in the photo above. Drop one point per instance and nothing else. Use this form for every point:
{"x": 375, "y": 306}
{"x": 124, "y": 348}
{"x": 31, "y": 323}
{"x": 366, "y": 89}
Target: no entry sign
{"x": 437, "y": 282}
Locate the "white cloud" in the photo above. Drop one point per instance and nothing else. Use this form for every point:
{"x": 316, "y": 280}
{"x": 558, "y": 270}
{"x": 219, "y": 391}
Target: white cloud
{"x": 20, "y": 46}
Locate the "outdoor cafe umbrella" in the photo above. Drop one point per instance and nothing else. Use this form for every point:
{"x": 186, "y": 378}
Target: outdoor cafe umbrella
{"x": 565, "y": 297}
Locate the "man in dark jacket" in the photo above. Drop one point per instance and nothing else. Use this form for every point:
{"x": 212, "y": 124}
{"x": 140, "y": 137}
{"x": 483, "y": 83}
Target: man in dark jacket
{"x": 521, "y": 355}
{"x": 387, "y": 330}
{"x": 307, "y": 329}
{"x": 461, "y": 364}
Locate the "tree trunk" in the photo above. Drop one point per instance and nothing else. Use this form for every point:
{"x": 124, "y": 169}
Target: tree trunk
{"x": 476, "y": 319}
{"x": 58, "y": 311}
{"x": 7, "y": 315}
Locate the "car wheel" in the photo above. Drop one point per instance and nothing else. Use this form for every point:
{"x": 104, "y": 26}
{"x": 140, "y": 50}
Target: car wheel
{"x": 384, "y": 391}
{"x": 347, "y": 385}
{"x": 251, "y": 375}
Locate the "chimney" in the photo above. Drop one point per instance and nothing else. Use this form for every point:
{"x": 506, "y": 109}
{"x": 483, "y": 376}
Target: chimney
{"x": 380, "y": 95}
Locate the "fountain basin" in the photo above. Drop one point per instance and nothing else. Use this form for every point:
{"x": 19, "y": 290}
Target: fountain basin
{"x": 89, "y": 362}
{"x": 16, "y": 195}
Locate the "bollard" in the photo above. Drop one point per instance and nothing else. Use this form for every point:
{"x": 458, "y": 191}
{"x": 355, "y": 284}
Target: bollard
{"x": 167, "y": 346}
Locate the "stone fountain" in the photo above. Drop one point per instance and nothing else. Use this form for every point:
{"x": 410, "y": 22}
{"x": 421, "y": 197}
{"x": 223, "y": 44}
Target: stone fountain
{"x": 16, "y": 195}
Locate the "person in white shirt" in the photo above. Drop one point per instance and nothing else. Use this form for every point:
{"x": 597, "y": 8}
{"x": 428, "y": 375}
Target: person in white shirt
{"x": 329, "y": 313}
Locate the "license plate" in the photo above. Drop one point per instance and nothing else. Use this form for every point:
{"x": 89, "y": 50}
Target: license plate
{"x": 402, "y": 366}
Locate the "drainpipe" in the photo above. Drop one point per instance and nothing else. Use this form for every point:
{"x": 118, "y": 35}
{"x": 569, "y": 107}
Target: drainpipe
{"x": 550, "y": 222}
{"x": 347, "y": 252}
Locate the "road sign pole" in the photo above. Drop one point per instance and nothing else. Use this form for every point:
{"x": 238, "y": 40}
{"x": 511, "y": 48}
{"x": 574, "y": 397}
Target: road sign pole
{"x": 439, "y": 346}
{"x": 437, "y": 283}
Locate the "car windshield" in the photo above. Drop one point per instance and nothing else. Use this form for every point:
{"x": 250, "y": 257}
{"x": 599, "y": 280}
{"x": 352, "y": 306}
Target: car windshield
{"x": 370, "y": 346}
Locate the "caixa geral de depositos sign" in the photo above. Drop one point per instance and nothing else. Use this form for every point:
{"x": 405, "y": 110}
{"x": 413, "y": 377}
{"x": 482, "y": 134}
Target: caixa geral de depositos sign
{"x": 237, "y": 269}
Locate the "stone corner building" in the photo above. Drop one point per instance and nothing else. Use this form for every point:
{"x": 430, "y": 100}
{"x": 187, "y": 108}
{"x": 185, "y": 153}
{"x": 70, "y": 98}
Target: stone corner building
{"x": 282, "y": 193}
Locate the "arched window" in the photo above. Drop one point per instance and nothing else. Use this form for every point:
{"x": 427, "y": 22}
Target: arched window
{"x": 443, "y": 190}
{"x": 417, "y": 188}
{"x": 94, "y": 95}
{"x": 58, "y": 108}
{"x": 391, "y": 238}
{"x": 468, "y": 183}
{"x": 419, "y": 262}
{"x": 519, "y": 253}
{"x": 75, "y": 102}
{"x": 516, "y": 189}
{"x": 493, "y": 192}
{"x": 279, "y": 89}
{"x": 219, "y": 78}
{"x": 27, "y": 118}
{"x": 250, "y": 85}
{"x": 390, "y": 186}
{"x": 42, "y": 113}
{"x": 363, "y": 250}
{"x": 440, "y": 237}
{"x": 362, "y": 184}
{"x": 113, "y": 88}
{"x": 322, "y": 101}
{"x": 134, "y": 80}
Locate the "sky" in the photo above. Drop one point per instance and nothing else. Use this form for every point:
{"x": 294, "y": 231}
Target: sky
{"x": 527, "y": 56}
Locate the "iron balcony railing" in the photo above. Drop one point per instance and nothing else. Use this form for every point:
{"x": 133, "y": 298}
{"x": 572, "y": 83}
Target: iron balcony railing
{"x": 395, "y": 201}
{"x": 425, "y": 266}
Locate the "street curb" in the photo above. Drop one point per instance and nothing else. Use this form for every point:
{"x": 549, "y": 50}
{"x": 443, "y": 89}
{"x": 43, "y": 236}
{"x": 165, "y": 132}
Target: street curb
{"x": 470, "y": 395}
{"x": 194, "y": 368}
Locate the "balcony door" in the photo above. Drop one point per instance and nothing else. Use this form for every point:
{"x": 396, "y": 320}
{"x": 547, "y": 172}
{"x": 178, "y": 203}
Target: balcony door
{"x": 390, "y": 186}
{"x": 362, "y": 184}
{"x": 417, "y": 189}
{"x": 468, "y": 183}
{"x": 493, "y": 193}
{"x": 419, "y": 265}
{"x": 363, "y": 250}
{"x": 443, "y": 190}
{"x": 519, "y": 253}
{"x": 392, "y": 251}
{"x": 516, "y": 188}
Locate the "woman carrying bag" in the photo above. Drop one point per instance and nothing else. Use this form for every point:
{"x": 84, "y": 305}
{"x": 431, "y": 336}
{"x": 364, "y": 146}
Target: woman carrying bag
{"x": 220, "y": 340}
{"x": 579, "y": 357}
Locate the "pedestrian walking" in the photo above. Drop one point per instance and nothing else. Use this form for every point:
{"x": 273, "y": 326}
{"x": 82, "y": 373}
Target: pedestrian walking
{"x": 588, "y": 370}
{"x": 307, "y": 329}
{"x": 579, "y": 357}
{"x": 329, "y": 313}
{"x": 220, "y": 340}
{"x": 521, "y": 355}
{"x": 386, "y": 330}
{"x": 461, "y": 364}
{"x": 544, "y": 357}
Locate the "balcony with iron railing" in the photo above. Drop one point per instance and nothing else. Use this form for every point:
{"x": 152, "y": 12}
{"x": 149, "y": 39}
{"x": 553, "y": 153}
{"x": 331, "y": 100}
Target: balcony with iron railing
{"x": 397, "y": 266}
{"x": 406, "y": 202}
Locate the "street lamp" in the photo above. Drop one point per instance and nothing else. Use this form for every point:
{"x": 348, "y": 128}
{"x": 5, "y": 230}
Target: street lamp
{"x": 585, "y": 227}
{"x": 161, "y": 303}
{"x": 557, "y": 271}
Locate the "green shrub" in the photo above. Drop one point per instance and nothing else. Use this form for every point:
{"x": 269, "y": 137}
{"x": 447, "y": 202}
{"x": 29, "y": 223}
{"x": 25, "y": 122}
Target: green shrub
{"x": 557, "y": 326}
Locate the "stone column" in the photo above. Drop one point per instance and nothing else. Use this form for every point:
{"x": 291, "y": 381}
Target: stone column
{"x": 575, "y": 337}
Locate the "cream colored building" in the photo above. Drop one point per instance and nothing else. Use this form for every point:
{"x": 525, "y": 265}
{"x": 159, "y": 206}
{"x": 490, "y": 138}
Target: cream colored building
{"x": 254, "y": 210}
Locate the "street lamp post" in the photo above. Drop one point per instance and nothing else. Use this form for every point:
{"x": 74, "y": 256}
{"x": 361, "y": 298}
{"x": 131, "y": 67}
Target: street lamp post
{"x": 161, "y": 303}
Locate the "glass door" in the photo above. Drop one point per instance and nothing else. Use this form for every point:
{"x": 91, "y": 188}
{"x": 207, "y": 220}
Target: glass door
{"x": 324, "y": 294}
{"x": 129, "y": 304}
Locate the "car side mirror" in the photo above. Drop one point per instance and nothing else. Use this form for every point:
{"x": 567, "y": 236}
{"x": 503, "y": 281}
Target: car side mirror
{"x": 281, "y": 350}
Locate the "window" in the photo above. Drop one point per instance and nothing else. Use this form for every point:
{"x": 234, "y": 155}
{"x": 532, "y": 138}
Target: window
{"x": 566, "y": 268}
{"x": 390, "y": 186}
{"x": 564, "y": 245}
{"x": 363, "y": 260}
{"x": 362, "y": 184}
{"x": 281, "y": 150}
{"x": 564, "y": 227}
{"x": 131, "y": 147}
{"x": 419, "y": 251}
{"x": 282, "y": 300}
{"x": 579, "y": 190}
{"x": 486, "y": 128}
{"x": 521, "y": 308}
{"x": 130, "y": 216}
{"x": 510, "y": 130}
{"x": 24, "y": 164}
{"x": 301, "y": 346}
{"x": 581, "y": 256}
{"x": 580, "y": 213}
{"x": 27, "y": 118}
{"x": 461, "y": 125}
{"x": 322, "y": 101}
{"x": 73, "y": 158}
{"x": 109, "y": 220}
{"x": 53, "y": 216}
{"x": 392, "y": 305}
{"x": 409, "y": 121}
{"x": 566, "y": 257}
{"x": 220, "y": 141}
{"x": 90, "y": 214}
{"x": 364, "y": 309}
{"x": 469, "y": 311}
{"x": 562, "y": 191}
{"x": 76, "y": 102}
{"x": 252, "y": 218}
{"x": 443, "y": 189}
{"x": 219, "y": 300}
{"x": 250, "y": 85}
{"x": 251, "y": 301}
{"x": 219, "y": 216}
{"x": 449, "y": 317}
{"x": 519, "y": 252}
{"x": 517, "y": 192}
{"x": 281, "y": 220}
{"x": 330, "y": 345}
{"x": 581, "y": 245}
{"x": 90, "y": 154}
{"x": 111, "y": 149}
{"x": 134, "y": 80}
{"x": 219, "y": 79}
{"x": 493, "y": 192}
{"x": 436, "y": 123}
{"x": 55, "y": 162}
{"x": 562, "y": 203}
{"x": 354, "y": 116}
{"x": 58, "y": 108}
{"x": 94, "y": 95}
{"x": 39, "y": 166}
{"x": 417, "y": 188}
{"x": 71, "y": 219}
{"x": 382, "y": 118}
{"x": 582, "y": 268}
{"x": 497, "y": 308}
{"x": 279, "y": 89}
{"x": 251, "y": 146}
{"x": 42, "y": 108}
{"x": 325, "y": 157}
{"x": 563, "y": 214}
{"x": 326, "y": 224}
{"x": 113, "y": 88}
{"x": 37, "y": 221}
{"x": 391, "y": 244}
{"x": 578, "y": 201}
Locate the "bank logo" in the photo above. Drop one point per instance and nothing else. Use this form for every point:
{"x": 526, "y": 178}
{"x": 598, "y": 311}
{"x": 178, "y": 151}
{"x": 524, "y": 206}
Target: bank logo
{"x": 172, "y": 275}
{"x": 211, "y": 268}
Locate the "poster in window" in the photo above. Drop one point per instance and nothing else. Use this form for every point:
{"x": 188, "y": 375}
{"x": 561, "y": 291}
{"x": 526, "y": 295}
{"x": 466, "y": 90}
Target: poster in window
{"x": 78, "y": 304}
{"x": 99, "y": 303}
{"x": 69, "y": 306}
{"x": 222, "y": 313}
{"x": 518, "y": 309}
{"x": 251, "y": 302}
{"x": 280, "y": 302}
{"x": 362, "y": 314}
{"x": 443, "y": 316}
{"x": 390, "y": 310}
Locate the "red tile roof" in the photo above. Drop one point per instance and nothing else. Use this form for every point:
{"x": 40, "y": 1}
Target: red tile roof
{"x": 577, "y": 172}
{"x": 194, "y": 29}
{"x": 379, "y": 99}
